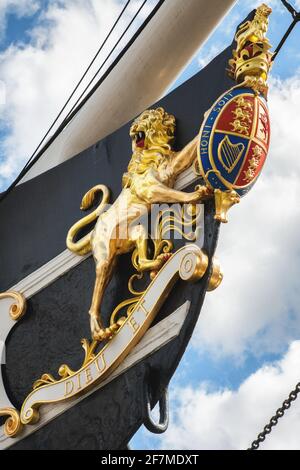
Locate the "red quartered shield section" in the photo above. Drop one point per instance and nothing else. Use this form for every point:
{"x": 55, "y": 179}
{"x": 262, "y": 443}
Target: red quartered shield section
{"x": 258, "y": 146}
{"x": 253, "y": 164}
{"x": 238, "y": 116}
{"x": 263, "y": 124}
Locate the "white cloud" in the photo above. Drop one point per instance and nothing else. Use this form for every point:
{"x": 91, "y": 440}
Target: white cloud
{"x": 257, "y": 306}
{"x": 227, "y": 419}
{"x": 40, "y": 76}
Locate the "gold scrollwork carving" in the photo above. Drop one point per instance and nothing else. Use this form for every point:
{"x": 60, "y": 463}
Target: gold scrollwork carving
{"x": 18, "y": 308}
{"x": 13, "y": 425}
{"x": 216, "y": 276}
{"x": 193, "y": 267}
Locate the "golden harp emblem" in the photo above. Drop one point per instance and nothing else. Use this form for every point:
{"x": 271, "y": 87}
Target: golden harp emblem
{"x": 230, "y": 154}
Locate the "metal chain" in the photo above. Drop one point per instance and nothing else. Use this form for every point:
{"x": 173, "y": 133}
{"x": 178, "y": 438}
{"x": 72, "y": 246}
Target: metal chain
{"x": 274, "y": 420}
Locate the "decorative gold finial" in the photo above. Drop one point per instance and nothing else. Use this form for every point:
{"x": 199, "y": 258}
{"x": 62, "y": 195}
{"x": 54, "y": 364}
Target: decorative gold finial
{"x": 224, "y": 200}
{"x": 18, "y": 308}
{"x": 251, "y": 60}
{"x": 12, "y": 425}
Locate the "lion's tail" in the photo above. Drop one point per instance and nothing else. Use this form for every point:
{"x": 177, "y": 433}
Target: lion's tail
{"x": 83, "y": 246}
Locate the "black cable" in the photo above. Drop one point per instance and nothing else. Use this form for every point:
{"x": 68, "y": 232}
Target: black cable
{"x": 81, "y": 80}
{"x": 109, "y": 55}
{"x": 296, "y": 19}
{"x": 69, "y": 118}
{"x": 289, "y": 7}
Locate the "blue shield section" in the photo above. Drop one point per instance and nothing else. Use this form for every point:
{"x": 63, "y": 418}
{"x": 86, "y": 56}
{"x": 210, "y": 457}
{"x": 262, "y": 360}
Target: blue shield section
{"x": 228, "y": 153}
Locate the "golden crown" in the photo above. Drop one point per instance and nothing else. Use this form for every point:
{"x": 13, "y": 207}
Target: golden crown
{"x": 251, "y": 60}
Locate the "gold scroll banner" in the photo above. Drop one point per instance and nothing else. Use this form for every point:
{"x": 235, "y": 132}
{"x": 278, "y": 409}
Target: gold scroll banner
{"x": 190, "y": 264}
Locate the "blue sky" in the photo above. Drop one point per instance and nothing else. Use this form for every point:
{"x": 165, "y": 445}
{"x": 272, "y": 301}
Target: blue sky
{"x": 244, "y": 348}
{"x": 18, "y": 29}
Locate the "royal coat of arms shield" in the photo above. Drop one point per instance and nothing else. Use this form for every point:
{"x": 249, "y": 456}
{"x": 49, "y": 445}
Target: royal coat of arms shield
{"x": 234, "y": 141}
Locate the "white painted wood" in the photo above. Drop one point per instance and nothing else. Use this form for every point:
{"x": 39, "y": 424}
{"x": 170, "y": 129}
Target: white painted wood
{"x": 141, "y": 77}
{"x": 156, "y": 337}
{"x": 186, "y": 178}
{"x": 6, "y": 325}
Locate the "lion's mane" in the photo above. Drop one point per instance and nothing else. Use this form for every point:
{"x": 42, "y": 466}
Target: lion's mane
{"x": 159, "y": 128}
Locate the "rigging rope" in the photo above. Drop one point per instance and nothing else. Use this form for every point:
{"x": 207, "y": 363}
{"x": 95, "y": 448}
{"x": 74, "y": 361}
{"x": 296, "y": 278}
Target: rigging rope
{"x": 296, "y": 18}
{"x": 109, "y": 55}
{"x": 274, "y": 420}
{"x": 80, "y": 81}
{"x": 35, "y": 157}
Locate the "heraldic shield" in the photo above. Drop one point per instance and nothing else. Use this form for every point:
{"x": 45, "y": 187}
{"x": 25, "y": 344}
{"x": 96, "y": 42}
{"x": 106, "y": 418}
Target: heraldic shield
{"x": 234, "y": 141}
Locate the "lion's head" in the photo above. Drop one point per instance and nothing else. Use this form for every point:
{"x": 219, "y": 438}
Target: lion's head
{"x": 152, "y": 134}
{"x": 153, "y": 130}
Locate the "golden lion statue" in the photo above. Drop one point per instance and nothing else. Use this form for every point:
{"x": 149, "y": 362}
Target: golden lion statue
{"x": 150, "y": 178}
